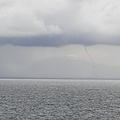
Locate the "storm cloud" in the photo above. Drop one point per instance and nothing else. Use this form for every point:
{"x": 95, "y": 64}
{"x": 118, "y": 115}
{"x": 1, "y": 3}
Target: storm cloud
{"x": 56, "y": 41}
{"x": 59, "y": 22}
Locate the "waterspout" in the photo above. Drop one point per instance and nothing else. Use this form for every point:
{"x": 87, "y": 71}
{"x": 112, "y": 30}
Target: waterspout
{"x": 89, "y": 56}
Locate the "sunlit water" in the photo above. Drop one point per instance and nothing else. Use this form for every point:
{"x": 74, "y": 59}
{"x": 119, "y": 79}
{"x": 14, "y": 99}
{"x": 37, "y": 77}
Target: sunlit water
{"x": 59, "y": 100}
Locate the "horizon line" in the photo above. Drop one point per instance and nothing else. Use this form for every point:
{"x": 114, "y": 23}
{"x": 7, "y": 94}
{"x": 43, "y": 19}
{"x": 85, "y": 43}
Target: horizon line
{"x": 60, "y": 78}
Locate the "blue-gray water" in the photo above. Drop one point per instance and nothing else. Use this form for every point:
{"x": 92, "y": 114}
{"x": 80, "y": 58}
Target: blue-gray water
{"x": 59, "y": 100}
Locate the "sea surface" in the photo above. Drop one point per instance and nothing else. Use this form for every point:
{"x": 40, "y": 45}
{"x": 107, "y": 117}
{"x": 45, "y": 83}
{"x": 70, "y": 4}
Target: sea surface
{"x": 59, "y": 99}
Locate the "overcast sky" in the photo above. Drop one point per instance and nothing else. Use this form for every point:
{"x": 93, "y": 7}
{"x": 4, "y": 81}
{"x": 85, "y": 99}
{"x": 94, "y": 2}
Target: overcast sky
{"x": 60, "y": 38}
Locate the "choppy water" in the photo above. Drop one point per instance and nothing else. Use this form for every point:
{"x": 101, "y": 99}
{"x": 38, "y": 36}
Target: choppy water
{"x": 63, "y": 100}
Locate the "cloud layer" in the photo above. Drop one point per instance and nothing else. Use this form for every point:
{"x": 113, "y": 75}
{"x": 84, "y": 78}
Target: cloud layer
{"x": 56, "y": 41}
{"x": 26, "y": 17}
{"x": 73, "y": 21}
{"x": 99, "y": 17}
{"x": 39, "y": 17}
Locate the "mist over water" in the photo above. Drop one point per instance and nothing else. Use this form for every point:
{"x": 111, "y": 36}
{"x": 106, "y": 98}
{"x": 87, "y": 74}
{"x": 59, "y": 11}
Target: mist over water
{"x": 59, "y": 100}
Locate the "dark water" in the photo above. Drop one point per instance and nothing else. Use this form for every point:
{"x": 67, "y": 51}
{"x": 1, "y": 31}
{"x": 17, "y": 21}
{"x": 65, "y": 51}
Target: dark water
{"x": 63, "y": 100}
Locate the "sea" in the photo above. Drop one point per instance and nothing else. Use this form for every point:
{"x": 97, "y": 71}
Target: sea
{"x": 59, "y": 99}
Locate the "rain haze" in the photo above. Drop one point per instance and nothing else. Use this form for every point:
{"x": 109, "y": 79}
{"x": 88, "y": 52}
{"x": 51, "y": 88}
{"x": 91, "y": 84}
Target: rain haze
{"x": 60, "y": 38}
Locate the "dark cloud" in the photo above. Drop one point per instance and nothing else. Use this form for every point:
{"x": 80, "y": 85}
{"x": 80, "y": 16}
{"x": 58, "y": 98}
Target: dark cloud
{"x": 55, "y": 41}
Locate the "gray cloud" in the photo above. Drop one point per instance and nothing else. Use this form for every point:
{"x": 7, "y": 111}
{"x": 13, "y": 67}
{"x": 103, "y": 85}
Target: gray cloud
{"x": 55, "y": 41}
{"x": 59, "y": 22}
{"x": 59, "y": 16}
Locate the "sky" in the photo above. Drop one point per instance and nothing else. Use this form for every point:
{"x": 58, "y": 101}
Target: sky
{"x": 60, "y": 38}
